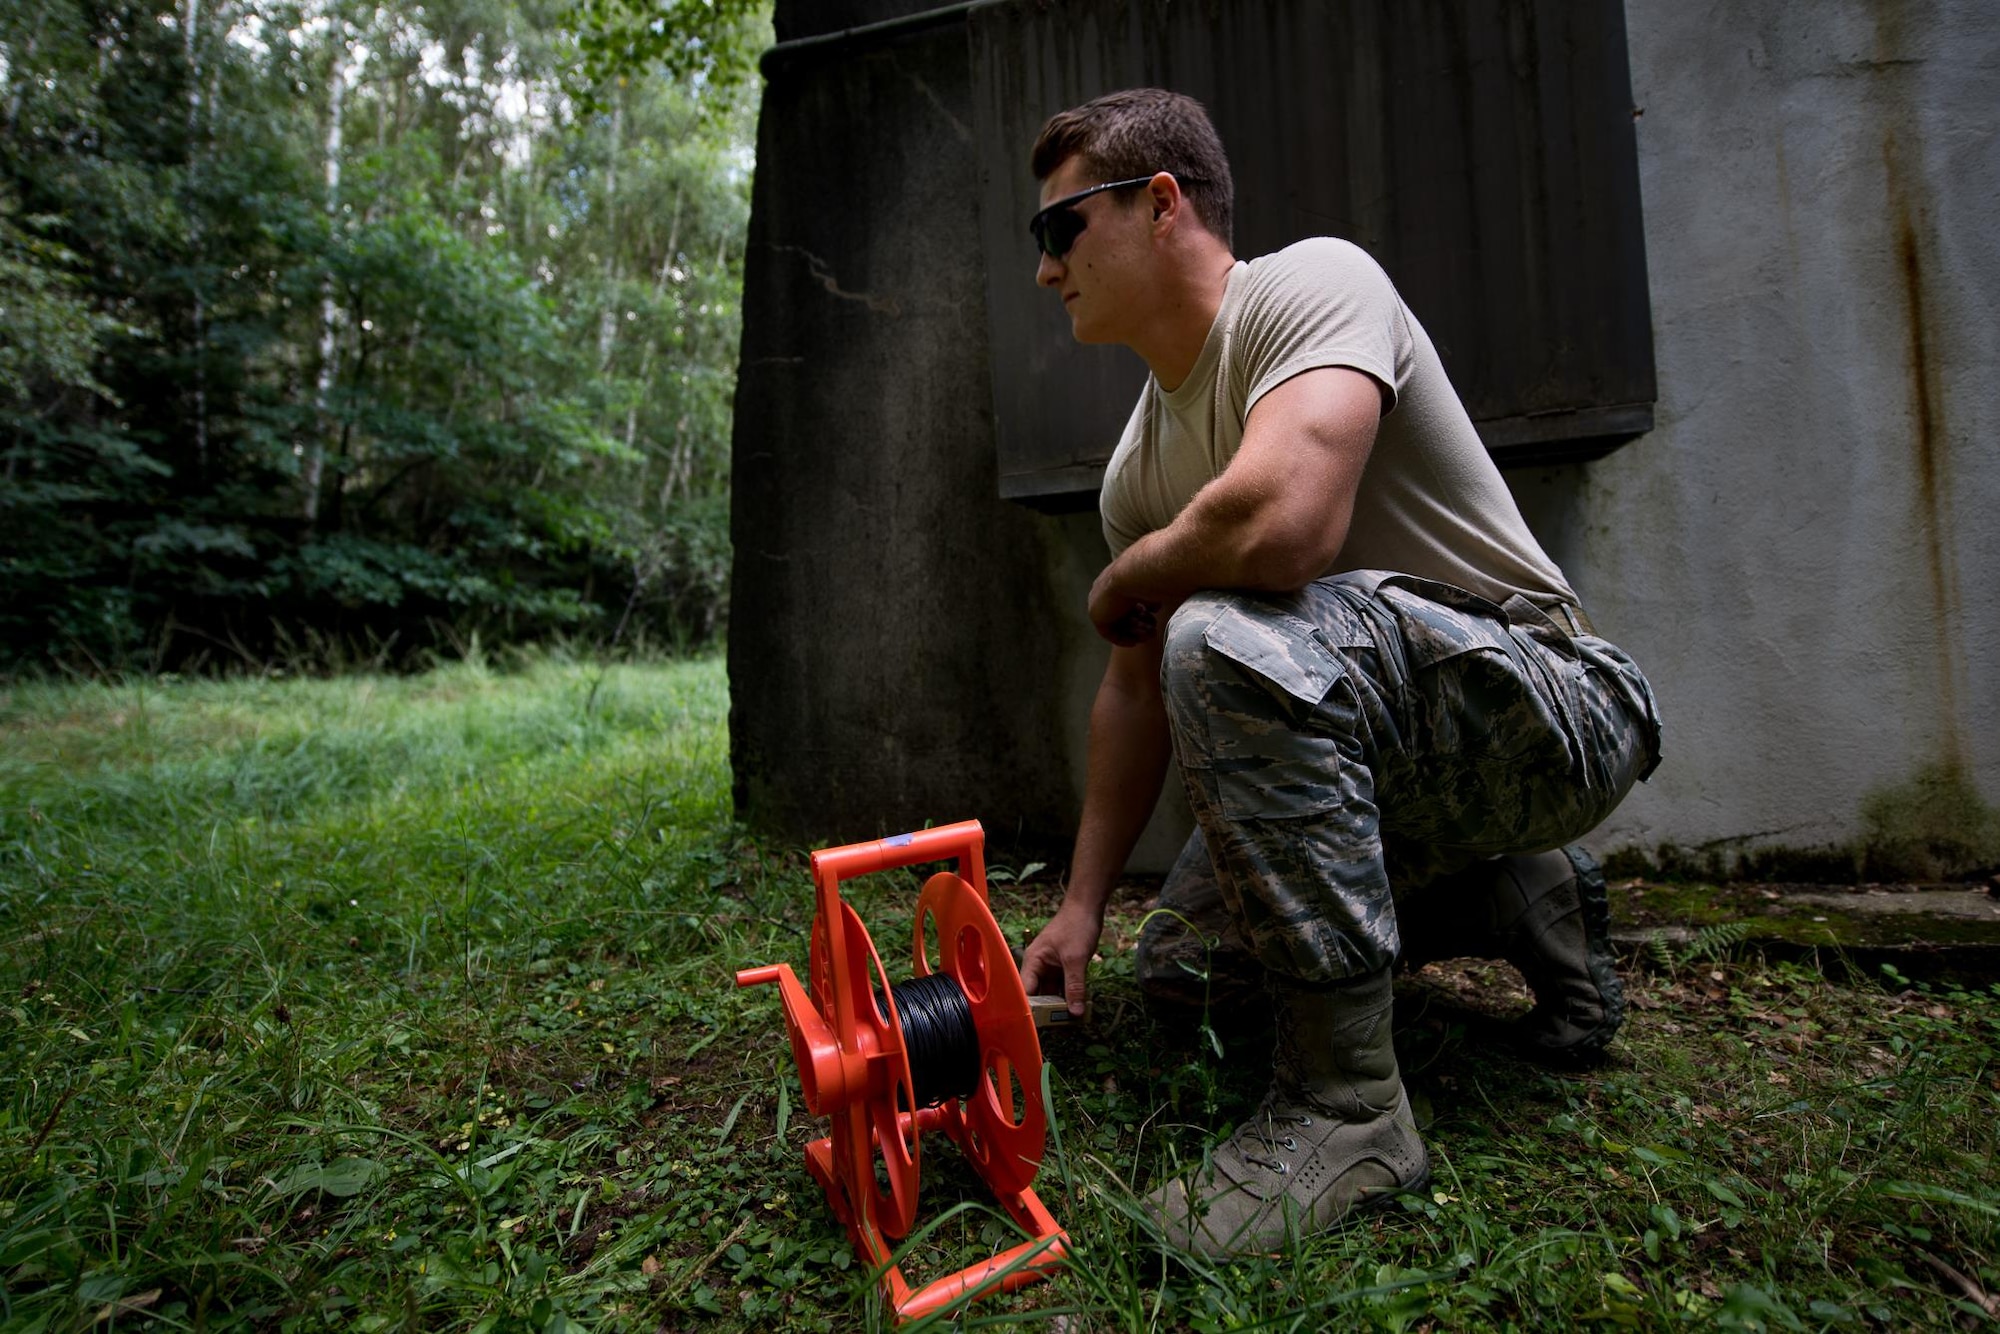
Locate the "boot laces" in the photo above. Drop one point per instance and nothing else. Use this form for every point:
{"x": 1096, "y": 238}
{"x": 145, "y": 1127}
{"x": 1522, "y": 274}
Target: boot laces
{"x": 1265, "y": 1132}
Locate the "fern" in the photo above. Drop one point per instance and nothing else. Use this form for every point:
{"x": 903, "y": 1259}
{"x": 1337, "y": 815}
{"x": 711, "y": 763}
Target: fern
{"x": 1711, "y": 943}
{"x": 1714, "y": 942}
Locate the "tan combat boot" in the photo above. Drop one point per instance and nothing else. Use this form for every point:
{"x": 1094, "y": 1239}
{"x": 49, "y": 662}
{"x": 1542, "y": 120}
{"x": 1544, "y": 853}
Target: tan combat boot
{"x": 1549, "y": 915}
{"x": 1553, "y": 917}
{"x": 1334, "y": 1133}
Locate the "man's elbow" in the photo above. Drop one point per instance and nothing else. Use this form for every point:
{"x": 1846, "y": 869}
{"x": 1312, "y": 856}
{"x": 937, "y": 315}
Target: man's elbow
{"x": 1286, "y": 561}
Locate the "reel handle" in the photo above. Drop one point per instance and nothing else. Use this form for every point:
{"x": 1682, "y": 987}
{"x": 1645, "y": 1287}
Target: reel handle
{"x": 827, "y": 1074}
{"x": 963, "y": 843}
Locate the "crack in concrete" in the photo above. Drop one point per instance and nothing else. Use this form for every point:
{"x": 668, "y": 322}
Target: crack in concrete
{"x": 1730, "y": 840}
{"x": 823, "y": 274}
{"x": 963, "y": 131}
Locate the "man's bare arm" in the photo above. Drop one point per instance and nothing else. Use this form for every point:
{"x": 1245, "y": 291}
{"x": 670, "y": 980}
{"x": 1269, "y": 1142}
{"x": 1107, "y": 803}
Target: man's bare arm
{"x": 1275, "y": 519}
{"x": 1129, "y": 748}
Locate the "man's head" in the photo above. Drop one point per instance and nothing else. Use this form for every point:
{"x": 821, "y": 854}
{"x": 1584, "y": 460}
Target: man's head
{"x": 1139, "y": 132}
{"x": 1136, "y": 202}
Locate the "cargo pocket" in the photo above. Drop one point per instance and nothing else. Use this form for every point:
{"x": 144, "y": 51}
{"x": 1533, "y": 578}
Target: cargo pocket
{"x": 1475, "y": 690}
{"x": 1276, "y": 727}
{"x": 1283, "y": 649}
{"x": 1495, "y": 759}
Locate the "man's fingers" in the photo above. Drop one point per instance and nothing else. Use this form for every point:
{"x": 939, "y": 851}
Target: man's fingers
{"x": 1038, "y": 978}
{"x": 1135, "y": 627}
{"x": 1122, "y": 620}
{"x": 1031, "y": 972}
{"x": 1075, "y": 989}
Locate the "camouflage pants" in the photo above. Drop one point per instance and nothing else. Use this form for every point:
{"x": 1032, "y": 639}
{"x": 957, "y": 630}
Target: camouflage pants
{"x": 1370, "y": 731}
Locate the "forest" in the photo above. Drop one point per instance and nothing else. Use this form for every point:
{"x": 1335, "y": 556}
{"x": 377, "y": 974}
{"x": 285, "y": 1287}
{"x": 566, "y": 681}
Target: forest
{"x": 337, "y": 332}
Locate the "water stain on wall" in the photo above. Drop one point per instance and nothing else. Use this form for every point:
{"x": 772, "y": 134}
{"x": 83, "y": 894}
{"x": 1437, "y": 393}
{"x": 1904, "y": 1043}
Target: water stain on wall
{"x": 1930, "y": 450}
{"x": 1924, "y": 349}
{"x": 1934, "y": 827}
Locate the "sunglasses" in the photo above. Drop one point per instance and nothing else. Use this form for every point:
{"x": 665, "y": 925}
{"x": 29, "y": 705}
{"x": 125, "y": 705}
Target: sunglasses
{"x": 1056, "y": 227}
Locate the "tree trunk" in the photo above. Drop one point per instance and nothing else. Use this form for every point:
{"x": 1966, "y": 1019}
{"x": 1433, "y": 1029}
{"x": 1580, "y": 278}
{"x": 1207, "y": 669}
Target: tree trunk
{"x": 607, "y": 320}
{"x": 329, "y": 313}
{"x": 652, "y": 344}
{"x": 195, "y": 236}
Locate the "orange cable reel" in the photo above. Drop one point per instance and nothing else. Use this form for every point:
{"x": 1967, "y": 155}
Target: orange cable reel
{"x": 853, "y": 1050}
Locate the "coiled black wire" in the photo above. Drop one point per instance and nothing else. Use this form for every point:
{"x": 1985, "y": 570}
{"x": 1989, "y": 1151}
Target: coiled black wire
{"x": 939, "y": 1035}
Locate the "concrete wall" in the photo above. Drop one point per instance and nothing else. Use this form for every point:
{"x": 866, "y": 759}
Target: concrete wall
{"x": 1804, "y": 554}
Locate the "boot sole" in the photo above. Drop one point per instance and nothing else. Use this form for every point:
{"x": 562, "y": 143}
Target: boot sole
{"x": 1370, "y": 1204}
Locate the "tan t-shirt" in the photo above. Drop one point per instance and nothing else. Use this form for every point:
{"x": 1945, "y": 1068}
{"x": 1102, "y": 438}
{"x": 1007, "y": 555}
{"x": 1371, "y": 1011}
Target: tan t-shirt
{"x": 1431, "y": 503}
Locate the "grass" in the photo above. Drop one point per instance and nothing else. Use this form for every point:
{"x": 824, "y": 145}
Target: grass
{"x": 408, "y": 1002}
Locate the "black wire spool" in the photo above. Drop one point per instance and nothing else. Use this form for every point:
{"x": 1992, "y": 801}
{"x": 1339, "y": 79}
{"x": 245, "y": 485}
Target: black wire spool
{"x": 938, "y": 1034}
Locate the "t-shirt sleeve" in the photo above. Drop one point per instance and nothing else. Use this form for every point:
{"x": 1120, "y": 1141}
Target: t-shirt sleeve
{"x": 1118, "y": 505}
{"x": 1322, "y": 302}
{"x": 1120, "y": 530}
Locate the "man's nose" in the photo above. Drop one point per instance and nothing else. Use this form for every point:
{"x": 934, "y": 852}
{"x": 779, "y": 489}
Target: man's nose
{"x": 1048, "y": 272}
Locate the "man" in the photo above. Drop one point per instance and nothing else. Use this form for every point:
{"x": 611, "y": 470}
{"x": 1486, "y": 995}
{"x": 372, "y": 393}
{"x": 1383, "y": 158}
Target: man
{"x": 1325, "y": 605}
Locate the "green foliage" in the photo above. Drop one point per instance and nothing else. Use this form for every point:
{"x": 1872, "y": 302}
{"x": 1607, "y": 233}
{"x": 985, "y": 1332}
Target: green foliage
{"x": 1713, "y": 942}
{"x": 713, "y": 41}
{"x": 48, "y": 335}
{"x": 342, "y": 325}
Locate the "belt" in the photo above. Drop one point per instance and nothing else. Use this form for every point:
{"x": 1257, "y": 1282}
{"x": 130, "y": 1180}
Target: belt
{"x": 1562, "y": 617}
{"x": 1572, "y": 619}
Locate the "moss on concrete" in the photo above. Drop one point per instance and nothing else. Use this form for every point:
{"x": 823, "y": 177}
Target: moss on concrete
{"x": 1814, "y": 914}
{"x": 1836, "y": 865}
{"x": 1934, "y": 827}
{"x": 1937, "y": 933}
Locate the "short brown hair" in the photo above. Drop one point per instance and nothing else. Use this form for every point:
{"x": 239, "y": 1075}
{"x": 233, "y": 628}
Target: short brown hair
{"x": 1140, "y": 131}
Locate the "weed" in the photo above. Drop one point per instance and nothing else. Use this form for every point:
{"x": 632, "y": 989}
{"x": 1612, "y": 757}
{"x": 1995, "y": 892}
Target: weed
{"x": 1712, "y": 943}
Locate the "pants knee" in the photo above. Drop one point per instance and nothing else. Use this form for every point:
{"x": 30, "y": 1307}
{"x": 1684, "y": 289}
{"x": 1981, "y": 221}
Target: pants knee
{"x": 1189, "y": 663}
{"x": 1185, "y": 648}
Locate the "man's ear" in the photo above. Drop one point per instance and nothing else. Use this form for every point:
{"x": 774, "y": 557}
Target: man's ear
{"x": 1165, "y": 192}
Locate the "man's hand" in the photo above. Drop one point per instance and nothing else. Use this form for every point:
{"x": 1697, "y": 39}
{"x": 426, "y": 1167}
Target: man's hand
{"x": 1118, "y": 616}
{"x": 1062, "y": 953}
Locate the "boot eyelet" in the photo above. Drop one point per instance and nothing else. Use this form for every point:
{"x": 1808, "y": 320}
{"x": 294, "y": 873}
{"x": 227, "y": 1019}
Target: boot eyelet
{"x": 1305, "y": 1122}
{"x": 1291, "y": 1144}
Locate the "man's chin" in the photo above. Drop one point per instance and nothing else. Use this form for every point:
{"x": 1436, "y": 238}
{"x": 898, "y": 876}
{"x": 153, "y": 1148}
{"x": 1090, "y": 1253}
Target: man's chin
{"x": 1083, "y": 331}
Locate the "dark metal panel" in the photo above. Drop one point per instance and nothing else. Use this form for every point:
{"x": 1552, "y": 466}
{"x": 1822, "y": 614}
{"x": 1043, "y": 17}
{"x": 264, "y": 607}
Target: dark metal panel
{"x": 1482, "y": 152}
{"x": 898, "y": 646}
{"x": 829, "y": 29}
{"x": 796, "y": 22}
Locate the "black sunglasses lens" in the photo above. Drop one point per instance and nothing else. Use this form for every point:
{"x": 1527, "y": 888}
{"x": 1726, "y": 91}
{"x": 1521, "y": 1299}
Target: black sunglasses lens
{"x": 1056, "y": 231}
